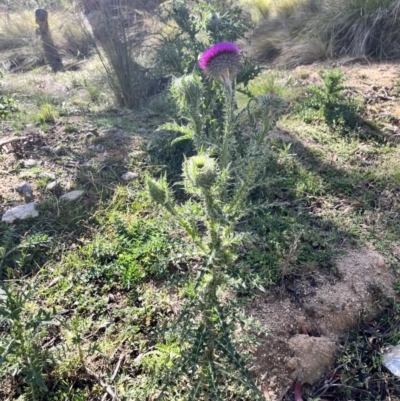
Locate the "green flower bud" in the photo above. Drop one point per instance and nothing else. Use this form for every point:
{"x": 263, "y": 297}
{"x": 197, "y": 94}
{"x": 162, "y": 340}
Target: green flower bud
{"x": 271, "y": 103}
{"x": 158, "y": 190}
{"x": 200, "y": 172}
{"x": 188, "y": 91}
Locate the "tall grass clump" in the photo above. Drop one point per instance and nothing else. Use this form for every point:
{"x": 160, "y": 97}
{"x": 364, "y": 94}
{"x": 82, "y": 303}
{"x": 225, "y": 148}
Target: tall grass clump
{"x": 360, "y": 27}
{"x": 277, "y": 34}
{"x": 121, "y": 29}
{"x": 302, "y": 31}
{"x": 219, "y": 180}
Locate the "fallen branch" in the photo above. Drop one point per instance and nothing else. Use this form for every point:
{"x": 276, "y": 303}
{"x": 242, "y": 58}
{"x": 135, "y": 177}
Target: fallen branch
{"x": 102, "y": 384}
{"x": 10, "y": 139}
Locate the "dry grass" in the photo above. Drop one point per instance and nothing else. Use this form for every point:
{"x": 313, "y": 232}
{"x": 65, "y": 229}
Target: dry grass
{"x": 21, "y": 47}
{"x": 295, "y": 32}
{"x": 122, "y": 31}
{"x": 294, "y": 53}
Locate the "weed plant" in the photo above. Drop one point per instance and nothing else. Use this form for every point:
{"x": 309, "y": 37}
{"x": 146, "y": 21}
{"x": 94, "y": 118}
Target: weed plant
{"x": 22, "y": 354}
{"x": 219, "y": 179}
{"x": 192, "y": 27}
{"x": 329, "y": 104}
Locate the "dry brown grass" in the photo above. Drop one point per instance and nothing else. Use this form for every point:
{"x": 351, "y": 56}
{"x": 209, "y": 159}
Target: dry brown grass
{"x": 21, "y": 47}
{"x": 303, "y": 31}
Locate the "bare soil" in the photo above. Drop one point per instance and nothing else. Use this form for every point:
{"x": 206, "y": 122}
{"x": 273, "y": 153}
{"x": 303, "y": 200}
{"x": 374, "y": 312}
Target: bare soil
{"x": 304, "y": 325}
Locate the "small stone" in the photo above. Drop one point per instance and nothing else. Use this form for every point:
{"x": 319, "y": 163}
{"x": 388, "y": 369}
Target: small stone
{"x": 30, "y": 163}
{"x": 73, "y": 195}
{"x": 53, "y": 186}
{"x": 21, "y": 212}
{"x": 47, "y": 148}
{"x": 391, "y": 360}
{"x": 141, "y": 129}
{"x": 90, "y": 135}
{"x": 98, "y": 148}
{"x": 129, "y": 176}
{"x": 25, "y": 190}
{"x": 59, "y": 150}
{"x": 47, "y": 175}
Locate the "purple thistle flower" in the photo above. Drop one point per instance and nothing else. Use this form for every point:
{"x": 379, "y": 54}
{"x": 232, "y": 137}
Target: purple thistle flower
{"x": 221, "y": 60}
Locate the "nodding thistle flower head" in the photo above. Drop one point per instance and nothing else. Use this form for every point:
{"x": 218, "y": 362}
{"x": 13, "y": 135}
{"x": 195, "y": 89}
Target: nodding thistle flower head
{"x": 200, "y": 172}
{"x": 221, "y": 60}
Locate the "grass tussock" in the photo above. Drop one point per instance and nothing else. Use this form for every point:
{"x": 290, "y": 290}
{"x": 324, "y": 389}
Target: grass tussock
{"x": 21, "y": 46}
{"x": 295, "y": 32}
{"x": 121, "y": 29}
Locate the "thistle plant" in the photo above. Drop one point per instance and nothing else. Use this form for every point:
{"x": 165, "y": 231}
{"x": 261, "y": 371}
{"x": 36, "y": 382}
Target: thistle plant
{"x": 21, "y": 351}
{"x": 219, "y": 179}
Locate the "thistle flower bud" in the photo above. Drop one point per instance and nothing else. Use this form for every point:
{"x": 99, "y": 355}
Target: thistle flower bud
{"x": 200, "y": 172}
{"x": 188, "y": 91}
{"x": 158, "y": 190}
{"x": 221, "y": 61}
{"x": 271, "y": 103}
{"x": 214, "y": 21}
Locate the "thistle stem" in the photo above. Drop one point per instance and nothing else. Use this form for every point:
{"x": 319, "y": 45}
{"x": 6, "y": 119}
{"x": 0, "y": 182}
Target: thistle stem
{"x": 229, "y": 125}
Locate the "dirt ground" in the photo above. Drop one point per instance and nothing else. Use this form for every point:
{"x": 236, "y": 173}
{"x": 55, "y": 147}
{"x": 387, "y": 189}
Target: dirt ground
{"x": 304, "y": 325}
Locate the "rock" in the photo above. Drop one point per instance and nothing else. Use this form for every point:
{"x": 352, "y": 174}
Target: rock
{"x": 98, "y": 148}
{"x": 30, "y": 163}
{"x": 47, "y": 148}
{"x": 25, "y": 190}
{"x": 47, "y": 175}
{"x": 391, "y": 360}
{"x": 129, "y": 176}
{"x": 141, "y": 130}
{"x": 21, "y": 212}
{"x": 53, "y": 186}
{"x": 313, "y": 356}
{"x": 73, "y": 195}
{"x": 59, "y": 150}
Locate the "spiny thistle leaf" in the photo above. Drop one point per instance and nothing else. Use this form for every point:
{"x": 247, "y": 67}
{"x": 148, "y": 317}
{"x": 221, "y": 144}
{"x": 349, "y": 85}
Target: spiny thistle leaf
{"x": 173, "y": 127}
